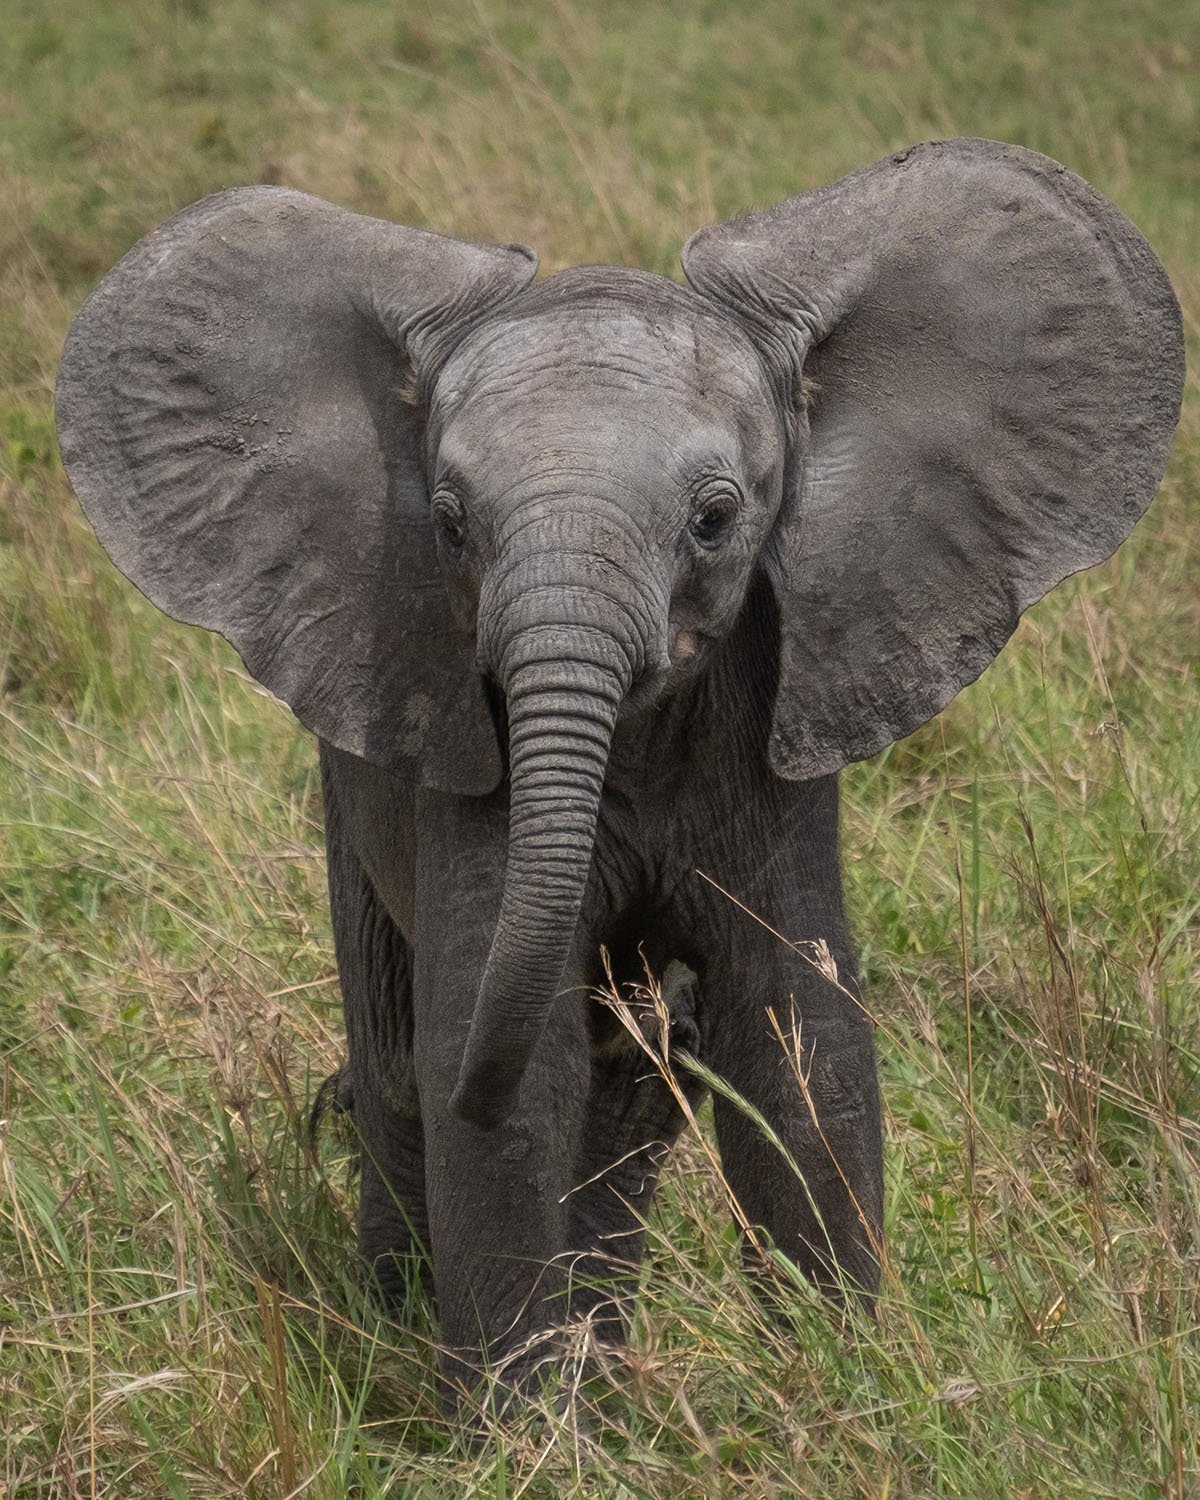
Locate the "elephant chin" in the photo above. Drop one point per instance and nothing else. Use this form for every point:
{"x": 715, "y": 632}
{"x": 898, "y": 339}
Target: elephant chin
{"x": 561, "y": 716}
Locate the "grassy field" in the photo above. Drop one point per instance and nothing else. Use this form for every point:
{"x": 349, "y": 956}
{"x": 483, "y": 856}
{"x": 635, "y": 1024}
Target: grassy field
{"x": 180, "y": 1308}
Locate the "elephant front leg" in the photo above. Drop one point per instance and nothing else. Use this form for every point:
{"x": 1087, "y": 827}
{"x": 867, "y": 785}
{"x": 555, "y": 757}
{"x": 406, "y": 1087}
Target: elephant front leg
{"x": 497, "y": 1197}
{"x": 633, "y": 1119}
{"x": 800, "y": 1050}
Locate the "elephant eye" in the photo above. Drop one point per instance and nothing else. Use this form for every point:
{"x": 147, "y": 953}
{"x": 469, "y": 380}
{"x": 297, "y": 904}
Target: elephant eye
{"x": 714, "y": 515}
{"x": 450, "y": 519}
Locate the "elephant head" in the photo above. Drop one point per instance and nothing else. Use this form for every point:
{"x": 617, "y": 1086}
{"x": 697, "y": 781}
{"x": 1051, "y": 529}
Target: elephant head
{"x": 389, "y": 470}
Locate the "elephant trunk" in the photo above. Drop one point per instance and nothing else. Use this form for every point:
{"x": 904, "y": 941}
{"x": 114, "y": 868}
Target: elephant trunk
{"x": 562, "y": 707}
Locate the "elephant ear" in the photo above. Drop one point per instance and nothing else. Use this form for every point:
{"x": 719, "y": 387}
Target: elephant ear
{"x": 991, "y": 362}
{"x": 236, "y": 413}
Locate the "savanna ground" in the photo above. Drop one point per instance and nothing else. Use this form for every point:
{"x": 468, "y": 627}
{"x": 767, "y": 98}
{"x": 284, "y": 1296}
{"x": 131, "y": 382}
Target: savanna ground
{"x": 180, "y": 1308}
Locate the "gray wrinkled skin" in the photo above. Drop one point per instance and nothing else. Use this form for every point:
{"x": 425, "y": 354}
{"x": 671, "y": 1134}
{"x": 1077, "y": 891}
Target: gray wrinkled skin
{"x": 589, "y": 587}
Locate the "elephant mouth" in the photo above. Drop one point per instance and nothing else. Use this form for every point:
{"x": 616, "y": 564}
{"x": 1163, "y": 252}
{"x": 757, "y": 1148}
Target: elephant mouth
{"x": 647, "y": 694}
{"x": 688, "y": 651}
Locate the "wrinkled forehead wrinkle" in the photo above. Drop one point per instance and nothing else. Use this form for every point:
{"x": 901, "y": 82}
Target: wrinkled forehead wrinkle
{"x": 601, "y": 340}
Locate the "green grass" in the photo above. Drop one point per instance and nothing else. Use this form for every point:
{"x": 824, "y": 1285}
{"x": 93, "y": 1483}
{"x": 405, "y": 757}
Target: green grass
{"x": 180, "y": 1309}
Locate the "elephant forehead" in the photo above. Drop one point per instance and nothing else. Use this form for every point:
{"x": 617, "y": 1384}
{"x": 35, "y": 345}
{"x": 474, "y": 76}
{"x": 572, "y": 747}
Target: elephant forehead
{"x": 662, "y": 381}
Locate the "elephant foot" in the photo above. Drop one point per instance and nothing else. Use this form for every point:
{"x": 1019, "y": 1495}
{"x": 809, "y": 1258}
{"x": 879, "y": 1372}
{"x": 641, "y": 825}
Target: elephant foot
{"x": 551, "y": 1383}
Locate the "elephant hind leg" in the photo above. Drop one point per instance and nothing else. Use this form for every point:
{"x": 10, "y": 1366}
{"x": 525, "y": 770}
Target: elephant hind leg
{"x": 680, "y": 988}
{"x": 633, "y": 1120}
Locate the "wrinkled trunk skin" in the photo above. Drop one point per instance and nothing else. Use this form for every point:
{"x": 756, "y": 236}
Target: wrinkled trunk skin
{"x": 564, "y": 688}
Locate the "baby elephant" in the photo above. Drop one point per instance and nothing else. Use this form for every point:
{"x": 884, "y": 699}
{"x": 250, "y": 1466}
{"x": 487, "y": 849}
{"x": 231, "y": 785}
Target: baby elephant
{"x": 589, "y": 586}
